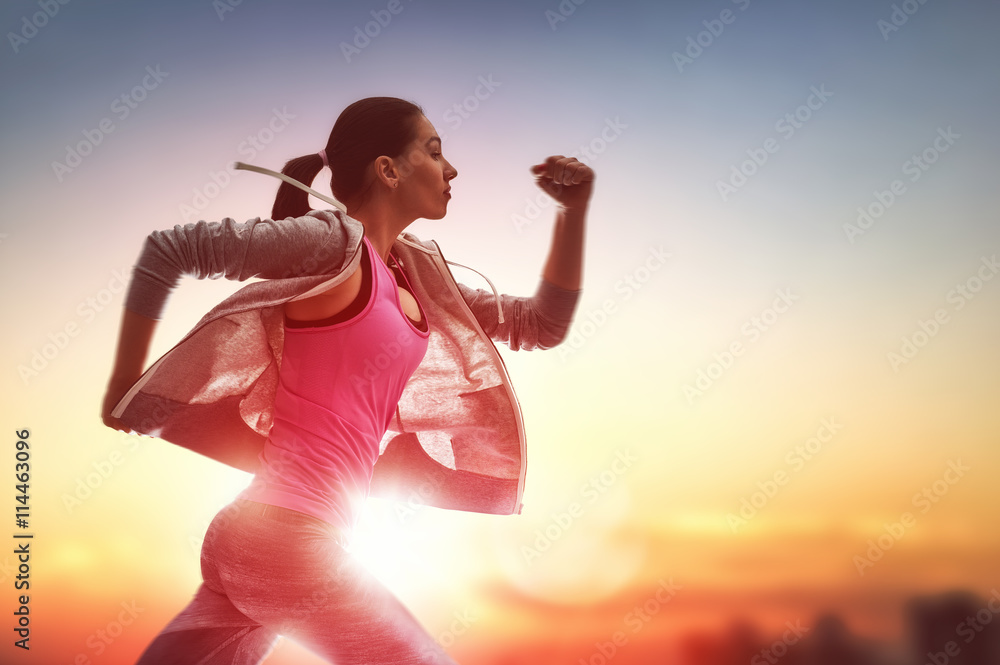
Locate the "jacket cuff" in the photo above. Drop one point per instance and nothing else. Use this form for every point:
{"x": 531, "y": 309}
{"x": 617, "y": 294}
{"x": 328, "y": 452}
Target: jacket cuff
{"x": 555, "y": 305}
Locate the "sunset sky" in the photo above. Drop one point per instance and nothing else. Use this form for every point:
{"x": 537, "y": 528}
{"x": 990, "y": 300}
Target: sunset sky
{"x": 779, "y": 395}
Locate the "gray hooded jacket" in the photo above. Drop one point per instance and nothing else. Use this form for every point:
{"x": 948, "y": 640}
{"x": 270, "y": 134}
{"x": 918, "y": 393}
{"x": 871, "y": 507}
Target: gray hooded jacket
{"x": 457, "y": 439}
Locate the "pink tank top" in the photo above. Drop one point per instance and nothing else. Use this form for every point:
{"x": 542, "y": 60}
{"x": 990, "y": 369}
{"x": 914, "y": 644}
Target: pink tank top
{"x": 338, "y": 389}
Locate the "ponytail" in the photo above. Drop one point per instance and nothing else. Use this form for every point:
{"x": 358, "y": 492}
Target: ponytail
{"x": 364, "y": 131}
{"x": 292, "y": 201}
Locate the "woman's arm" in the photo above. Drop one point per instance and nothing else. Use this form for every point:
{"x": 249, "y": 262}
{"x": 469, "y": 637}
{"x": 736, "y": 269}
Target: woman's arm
{"x": 564, "y": 266}
{"x": 537, "y": 322}
{"x": 320, "y": 243}
{"x": 134, "y": 337}
{"x": 541, "y": 321}
{"x": 570, "y": 182}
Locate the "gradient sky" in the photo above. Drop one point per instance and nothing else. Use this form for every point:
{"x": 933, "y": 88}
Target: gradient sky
{"x": 814, "y": 308}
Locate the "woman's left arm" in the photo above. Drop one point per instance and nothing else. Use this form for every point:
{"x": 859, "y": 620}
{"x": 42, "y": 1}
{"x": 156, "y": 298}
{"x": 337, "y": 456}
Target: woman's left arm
{"x": 570, "y": 182}
{"x": 542, "y": 321}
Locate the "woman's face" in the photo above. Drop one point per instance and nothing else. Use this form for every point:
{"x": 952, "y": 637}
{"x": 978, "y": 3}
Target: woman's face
{"x": 424, "y": 175}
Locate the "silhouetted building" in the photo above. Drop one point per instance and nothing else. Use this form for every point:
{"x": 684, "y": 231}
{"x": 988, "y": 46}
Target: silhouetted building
{"x": 955, "y": 628}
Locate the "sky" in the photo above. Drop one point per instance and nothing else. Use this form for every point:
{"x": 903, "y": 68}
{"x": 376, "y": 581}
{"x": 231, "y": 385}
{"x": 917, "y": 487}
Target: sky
{"x": 778, "y": 395}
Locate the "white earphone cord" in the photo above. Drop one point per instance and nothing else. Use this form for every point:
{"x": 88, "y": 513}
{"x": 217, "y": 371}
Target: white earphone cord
{"x": 340, "y": 206}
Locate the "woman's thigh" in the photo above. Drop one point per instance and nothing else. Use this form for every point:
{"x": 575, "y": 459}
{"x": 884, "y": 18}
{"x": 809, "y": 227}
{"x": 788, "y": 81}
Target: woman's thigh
{"x": 210, "y": 631}
{"x": 287, "y": 572}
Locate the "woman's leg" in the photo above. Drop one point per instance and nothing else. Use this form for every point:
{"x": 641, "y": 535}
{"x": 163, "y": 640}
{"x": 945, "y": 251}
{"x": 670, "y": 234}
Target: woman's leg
{"x": 287, "y": 572}
{"x": 210, "y": 630}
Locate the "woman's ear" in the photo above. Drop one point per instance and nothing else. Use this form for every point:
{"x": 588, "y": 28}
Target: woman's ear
{"x": 385, "y": 171}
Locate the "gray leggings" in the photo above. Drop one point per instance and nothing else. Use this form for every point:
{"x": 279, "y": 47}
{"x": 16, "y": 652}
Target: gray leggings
{"x": 271, "y": 571}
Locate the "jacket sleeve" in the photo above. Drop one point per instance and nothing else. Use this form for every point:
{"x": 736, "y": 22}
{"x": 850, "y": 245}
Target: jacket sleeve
{"x": 538, "y": 322}
{"x": 265, "y": 248}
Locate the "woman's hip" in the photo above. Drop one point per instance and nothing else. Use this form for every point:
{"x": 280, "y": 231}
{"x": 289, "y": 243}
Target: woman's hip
{"x": 247, "y": 538}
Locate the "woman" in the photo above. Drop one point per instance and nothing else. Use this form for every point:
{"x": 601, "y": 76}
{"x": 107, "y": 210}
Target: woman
{"x": 357, "y": 366}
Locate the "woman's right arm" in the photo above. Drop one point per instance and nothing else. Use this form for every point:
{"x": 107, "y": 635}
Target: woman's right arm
{"x": 311, "y": 244}
{"x": 265, "y": 248}
{"x": 134, "y": 337}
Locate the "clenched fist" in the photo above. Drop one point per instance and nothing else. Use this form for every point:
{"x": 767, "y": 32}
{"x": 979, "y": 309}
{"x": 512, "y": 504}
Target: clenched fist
{"x": 567, "y": 180}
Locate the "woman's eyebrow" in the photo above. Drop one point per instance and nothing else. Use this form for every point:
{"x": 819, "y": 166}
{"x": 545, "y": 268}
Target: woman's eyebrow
{"x": 432, "y": 139}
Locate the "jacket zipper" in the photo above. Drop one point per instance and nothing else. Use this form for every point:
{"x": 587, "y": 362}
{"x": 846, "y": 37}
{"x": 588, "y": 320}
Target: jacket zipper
{"x": 505, "y": 377}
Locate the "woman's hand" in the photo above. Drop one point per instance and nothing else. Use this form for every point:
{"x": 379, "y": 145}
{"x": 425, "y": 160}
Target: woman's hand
{"x": 567, "y": 180}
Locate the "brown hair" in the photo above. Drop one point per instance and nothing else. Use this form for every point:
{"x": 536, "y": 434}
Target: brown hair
{"x": 365, "y": 130}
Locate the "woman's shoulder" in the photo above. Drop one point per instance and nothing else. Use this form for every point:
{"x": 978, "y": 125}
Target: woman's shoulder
{"x": 316, "y": 228}
{"x": 320, "y": 220}
{"x": 315, "y": 225}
